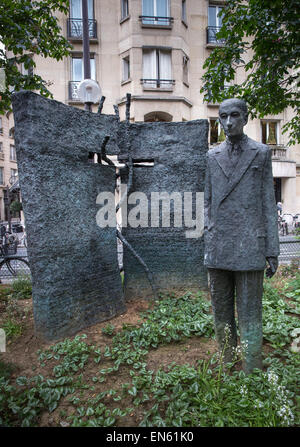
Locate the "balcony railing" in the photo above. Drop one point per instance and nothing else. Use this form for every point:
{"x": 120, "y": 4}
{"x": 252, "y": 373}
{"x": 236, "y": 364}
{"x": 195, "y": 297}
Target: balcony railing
{"x": 156, "y": 20}
{"x": 211, "y": 32}
{"x": 75, "y": 28}
{"x": 278, "y": 151}
{"x": 158, "y": 83}
{"x": 73, "y": 90}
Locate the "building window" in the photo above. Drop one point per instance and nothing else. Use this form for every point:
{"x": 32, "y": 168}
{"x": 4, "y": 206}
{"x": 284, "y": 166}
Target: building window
{"x": 183, "y": 11}
{"x": 75, "y": 25}
{"x": 216, "y": 133}
{"x": 13, "y": 155}
{"x": 1, "y": 128}
{"x": 13, "y": 175}
{"x": 125, "y": 68}
{"x": 77, "y": 75}
{"x": 78, "y": 68}
{"x": 124, "y": 9}
{"x": 76, "y": 9}
{"x": 156, "y": 12}
{"x": 185, "y": 69}
{"x": 157, "y": 69}
{"x": 214, "y": 23}
{"x": 270, "y": 132}
{"x": 1, "y": 176}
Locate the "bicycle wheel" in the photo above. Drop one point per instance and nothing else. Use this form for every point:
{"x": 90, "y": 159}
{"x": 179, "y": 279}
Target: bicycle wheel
{"x": 18, "y": 266}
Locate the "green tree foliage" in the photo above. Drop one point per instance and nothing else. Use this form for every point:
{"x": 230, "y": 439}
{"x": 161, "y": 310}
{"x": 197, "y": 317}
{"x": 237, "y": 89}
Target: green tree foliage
{"x": 28, "y": 28}
{"x": 261, "y": 37}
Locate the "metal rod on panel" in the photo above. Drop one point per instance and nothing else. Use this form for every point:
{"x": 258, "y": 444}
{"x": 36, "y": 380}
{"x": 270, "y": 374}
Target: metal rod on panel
{"x": 86, "y": 47}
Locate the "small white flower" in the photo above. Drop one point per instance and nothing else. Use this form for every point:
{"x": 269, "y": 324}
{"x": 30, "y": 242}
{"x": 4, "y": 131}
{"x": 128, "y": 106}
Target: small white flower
{"x": 258, "y": 404}
{"x": 243, "y": 390}
{"x": 272, "y": 378}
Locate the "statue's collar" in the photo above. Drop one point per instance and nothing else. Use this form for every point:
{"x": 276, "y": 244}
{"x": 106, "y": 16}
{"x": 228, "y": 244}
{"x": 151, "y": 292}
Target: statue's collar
{"x": 239, "y": 144}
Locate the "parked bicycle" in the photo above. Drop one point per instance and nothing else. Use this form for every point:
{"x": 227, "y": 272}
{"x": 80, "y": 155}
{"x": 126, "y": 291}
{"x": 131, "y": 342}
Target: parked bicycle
{"x": 296, "y": 223}
{"x": 282, "y": 226}
{"x": 9, "y": 260}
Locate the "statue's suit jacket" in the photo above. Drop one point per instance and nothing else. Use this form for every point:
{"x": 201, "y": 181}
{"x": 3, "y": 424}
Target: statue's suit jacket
{"x": 240, "y": 217}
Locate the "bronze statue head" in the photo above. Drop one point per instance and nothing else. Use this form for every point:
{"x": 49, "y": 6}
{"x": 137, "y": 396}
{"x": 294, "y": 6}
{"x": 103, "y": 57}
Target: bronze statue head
{"x": 233, "y": 115}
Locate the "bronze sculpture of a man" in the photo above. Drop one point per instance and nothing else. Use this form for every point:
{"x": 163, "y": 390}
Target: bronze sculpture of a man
{"x": 240, "y": 232}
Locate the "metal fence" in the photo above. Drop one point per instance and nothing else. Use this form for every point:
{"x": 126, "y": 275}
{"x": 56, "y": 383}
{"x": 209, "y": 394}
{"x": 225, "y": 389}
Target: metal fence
{"x": 289, "y": 250}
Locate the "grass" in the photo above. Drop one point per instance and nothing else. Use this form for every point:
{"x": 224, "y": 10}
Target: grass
{"x": 21, "y": 288}
{"x": 12, "y": 328}
{"x": 103, "y": 386}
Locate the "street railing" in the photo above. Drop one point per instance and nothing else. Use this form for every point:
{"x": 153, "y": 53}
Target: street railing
{"x": 289, "y": 250}
{"x": 156, "y": 20}
{"x": 158, "y": 83}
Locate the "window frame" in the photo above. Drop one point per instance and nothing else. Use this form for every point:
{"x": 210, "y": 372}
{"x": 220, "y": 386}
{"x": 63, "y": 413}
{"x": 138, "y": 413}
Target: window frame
{"x": 123, "y": 10}
{"x": 185, "y": 66}
{"x": 218, "y": 18}
{"x": 75, "y": 24}
{"x": 12, "y": 151}
{"x": 183, "y": 12}
{"x": 126, "y": 60}
{"x": 158, "y": 80}
{"x": 152, "y": 21}
{"x": 219, "y": 130}
{"x": 74, "y": 83}
{"x": 13, "y": 173}
{"x": 277, "y": 131}
{"x": 1, "y": 175}
{"x": 211, "y": 29}
{"x": 90, "y": 18}
{"x": 93, "y": 69}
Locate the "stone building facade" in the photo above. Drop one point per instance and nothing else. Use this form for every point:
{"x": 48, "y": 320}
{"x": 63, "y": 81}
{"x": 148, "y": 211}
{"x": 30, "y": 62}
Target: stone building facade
{"x": 155, "y": 50}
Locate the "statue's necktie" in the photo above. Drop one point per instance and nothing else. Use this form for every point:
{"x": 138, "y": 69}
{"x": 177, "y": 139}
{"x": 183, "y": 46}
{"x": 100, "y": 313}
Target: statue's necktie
{"x": 235, "y": 152}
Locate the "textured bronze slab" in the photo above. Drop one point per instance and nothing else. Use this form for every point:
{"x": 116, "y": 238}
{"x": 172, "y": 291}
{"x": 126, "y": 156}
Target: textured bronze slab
{"x": 178, "y": 151}
{"x": 76, "y": 279}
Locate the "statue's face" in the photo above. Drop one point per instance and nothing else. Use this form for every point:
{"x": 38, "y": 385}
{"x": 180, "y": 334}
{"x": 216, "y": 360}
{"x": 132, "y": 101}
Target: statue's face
{"x": 232, "y": 119}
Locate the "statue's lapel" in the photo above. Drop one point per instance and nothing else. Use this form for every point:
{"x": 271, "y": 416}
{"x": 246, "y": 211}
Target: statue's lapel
{"x": 223, "y": 160}
{"x": 247, "y": 156}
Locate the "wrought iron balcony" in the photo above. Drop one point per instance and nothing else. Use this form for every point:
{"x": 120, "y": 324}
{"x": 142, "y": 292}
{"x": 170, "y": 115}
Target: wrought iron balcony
{"x": 158, "y": 83}
{"x": 73, "y": 90}
{"x": 156, "y": 20}
{"x": 75, "y": 28}
{"x": 278, "y": 151}
{"x": 211, "y": 35}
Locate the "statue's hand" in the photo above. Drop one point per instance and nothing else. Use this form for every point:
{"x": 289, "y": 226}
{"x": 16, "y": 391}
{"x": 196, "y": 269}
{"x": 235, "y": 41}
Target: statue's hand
{"x": 273, "y": 265}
